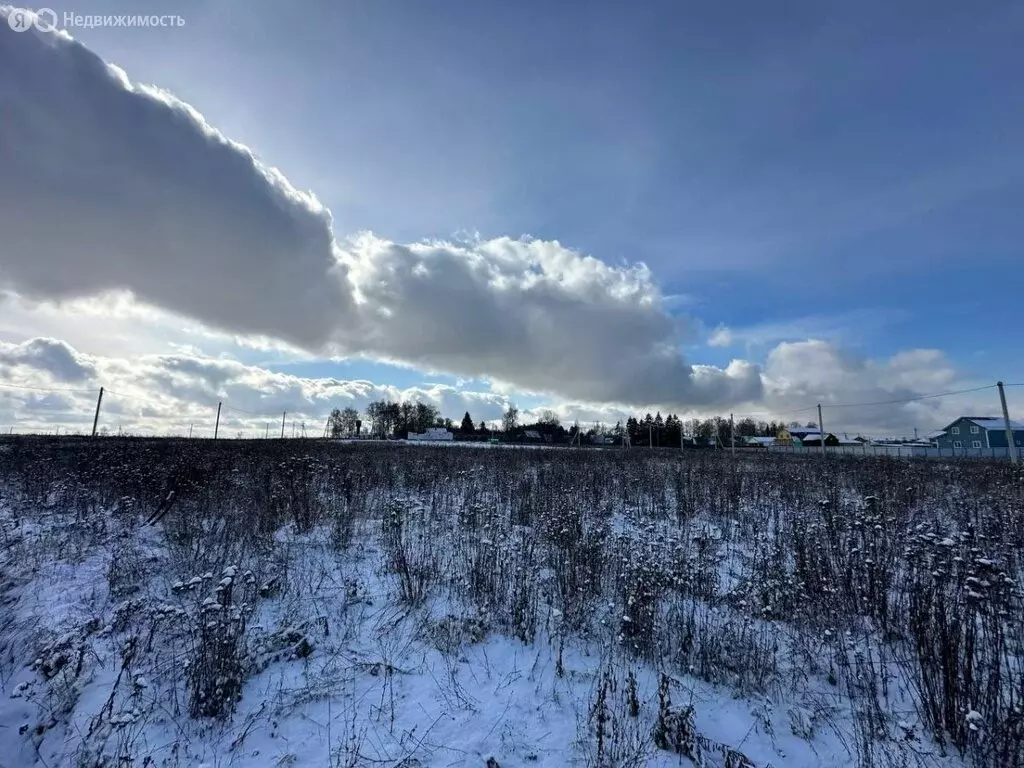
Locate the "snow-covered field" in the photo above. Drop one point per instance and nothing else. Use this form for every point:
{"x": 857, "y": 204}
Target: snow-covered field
{"x": 291, "y": 603}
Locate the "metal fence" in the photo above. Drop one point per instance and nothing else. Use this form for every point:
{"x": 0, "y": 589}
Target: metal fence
{"x": 908, "y": 451}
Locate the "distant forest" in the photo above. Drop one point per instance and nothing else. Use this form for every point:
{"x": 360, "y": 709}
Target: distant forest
{"x": 390, "y": 419}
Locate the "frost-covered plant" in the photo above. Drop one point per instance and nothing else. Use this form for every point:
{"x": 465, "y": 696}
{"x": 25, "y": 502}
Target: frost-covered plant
{"x": 411, "y": 554}
{"x": 218, "y": 666}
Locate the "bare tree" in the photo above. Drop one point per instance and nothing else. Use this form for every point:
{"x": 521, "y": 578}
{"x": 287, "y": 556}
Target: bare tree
{"x": 510, "y": 419}
{"x": 549, "y": 418}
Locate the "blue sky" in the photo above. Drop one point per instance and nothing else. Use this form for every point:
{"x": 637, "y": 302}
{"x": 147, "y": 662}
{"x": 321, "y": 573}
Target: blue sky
{"x": 851, "y": 173}
{"x": 771, "y": 162}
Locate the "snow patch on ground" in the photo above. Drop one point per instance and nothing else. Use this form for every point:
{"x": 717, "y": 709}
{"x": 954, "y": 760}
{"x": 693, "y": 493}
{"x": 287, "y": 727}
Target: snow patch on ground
{"x": 100, "y": 627}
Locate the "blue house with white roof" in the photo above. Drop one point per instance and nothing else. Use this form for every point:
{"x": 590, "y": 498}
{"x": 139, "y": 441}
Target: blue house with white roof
{"x": 979, "y": 432}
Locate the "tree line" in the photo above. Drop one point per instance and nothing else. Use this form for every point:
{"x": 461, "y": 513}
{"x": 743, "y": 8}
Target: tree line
{"x": 671, "y": 430}
{"x": 384, "y": 418}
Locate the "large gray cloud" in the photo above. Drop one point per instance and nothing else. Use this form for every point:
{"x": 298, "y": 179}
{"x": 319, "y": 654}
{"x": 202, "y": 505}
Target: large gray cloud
{"x": 106, "y": 184}
{"x": 54, "y": 357}
{"x": 533, "y": 313}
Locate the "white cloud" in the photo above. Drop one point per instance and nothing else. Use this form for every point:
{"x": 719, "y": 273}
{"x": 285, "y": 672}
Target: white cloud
{"x": 123, "y": 211}
{"x": 720, "y": 337}
{"x": 531, "y": 313}
{"x": 54, "y": 358}
{"x": 165, "y": 393}
{"x": 801, "y": 374}
{"x": 846, "y": 328}
{"x": 109, "y": 185}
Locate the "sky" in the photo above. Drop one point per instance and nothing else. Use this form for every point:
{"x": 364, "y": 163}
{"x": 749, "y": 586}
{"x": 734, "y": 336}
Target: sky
{"x": 589, "y": 207}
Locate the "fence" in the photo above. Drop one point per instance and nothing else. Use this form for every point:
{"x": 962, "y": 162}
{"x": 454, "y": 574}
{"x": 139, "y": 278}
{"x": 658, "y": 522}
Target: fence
{"x": 900, "y": 451}
{"x": 85, "y": 411}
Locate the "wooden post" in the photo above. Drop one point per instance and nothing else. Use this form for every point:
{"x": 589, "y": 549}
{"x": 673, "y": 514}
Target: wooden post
{"x": 216, "y": 426}
{"x": 1011, "y": 448}
{"x": 96, "y": 418}
{"x": 821, "y": 431}
{"x": 282, "y": 423}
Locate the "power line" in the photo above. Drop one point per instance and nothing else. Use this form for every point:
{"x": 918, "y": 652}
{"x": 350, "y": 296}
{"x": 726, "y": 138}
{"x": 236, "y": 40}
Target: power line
{"x": 251, "y": 413}
{"x": 299, "y": 413}
{"x": 798, "y": 410}
{"x": 908, "y": 399}
{"x": 757, "y": 414}
{"x": 108, "y": 391}
{"x": 46, "y": 389}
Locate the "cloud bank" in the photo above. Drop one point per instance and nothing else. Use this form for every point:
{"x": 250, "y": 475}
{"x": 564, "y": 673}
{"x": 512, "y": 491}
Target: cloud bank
{"x": 111, "y": 185}
{"x": 47, "y": 383}
{"x": 48, "y": 356}
{"x": 165, "y": 394}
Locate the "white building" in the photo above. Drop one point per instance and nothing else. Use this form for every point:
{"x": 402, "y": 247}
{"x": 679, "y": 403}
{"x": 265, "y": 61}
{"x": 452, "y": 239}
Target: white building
{"x": 433, "y": 434}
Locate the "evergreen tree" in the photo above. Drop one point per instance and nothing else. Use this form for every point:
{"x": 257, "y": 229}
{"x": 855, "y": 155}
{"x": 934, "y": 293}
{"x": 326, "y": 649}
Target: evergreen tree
{"x": 467, "y": 424}
{"x": 647, "y": 430}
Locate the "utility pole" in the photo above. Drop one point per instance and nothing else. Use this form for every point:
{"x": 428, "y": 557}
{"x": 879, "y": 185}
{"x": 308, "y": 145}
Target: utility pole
{"x": 1010, "y": 447}
{"x": 266, "y": 434}
{"x": 650, "y": 435}
{"x": 96, "y": 418}
{"x": 732, "y": 435}
{"x": 821, "y": 431}
{"x": 282, "y": 423}
{"x": 189, "y": 431}
{"x": 216, "y": 426}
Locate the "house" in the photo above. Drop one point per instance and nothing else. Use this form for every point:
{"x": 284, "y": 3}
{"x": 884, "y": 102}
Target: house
{"x": 759, "y": 442}
{"x": 979, "y": 432}
{"x": 432, "y": 434}
{"x": 813, "y": 439}
{"x": 532, "y": 434}
{"x": 796, "y": 435}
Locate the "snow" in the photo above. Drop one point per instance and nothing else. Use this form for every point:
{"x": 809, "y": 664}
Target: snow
{"x": 347, "y": 675}
{"x": 432, "y": 434}
{"x": 997, "y": 424}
